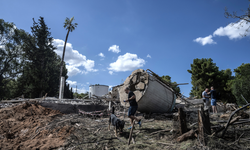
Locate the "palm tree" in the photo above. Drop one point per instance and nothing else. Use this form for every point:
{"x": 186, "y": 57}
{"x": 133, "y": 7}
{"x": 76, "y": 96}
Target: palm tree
{"x": 68, "y": 25}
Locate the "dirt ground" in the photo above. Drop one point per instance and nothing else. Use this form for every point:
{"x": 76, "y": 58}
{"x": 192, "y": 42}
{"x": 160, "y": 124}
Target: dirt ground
{"x": 27, "y": 126}
{"x": 32, "y": 126}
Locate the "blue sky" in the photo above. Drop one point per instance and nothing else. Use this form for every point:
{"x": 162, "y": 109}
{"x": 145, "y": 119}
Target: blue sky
{"x": 162, "y": 35}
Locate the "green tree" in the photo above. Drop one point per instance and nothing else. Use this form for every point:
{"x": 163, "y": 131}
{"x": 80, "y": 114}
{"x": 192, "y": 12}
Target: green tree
{"x": 41, "y": 71}
{"x": 80, "y": 96}
{"x": 70, "y": 26}
{"x": 68, "y": 92}
{"x": 204, "y": 73}
{"x": 11, "y": 60}
{"x": 240, "y": 85}
{"x": 174, "y": 85}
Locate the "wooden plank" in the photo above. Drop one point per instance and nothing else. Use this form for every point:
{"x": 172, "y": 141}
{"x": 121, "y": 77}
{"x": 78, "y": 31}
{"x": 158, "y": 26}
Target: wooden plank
{"x": 203, "y": 124}
{"x": 182, "y": 121}
{"x": 131, "y": 132}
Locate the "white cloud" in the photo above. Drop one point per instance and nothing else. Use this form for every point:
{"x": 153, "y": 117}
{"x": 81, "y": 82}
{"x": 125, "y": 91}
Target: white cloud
{"x": 233, "y": 30}
{"x": 126, "y": 62}
{"x": 205, "y": 40}
{"x": 87, "y": 83}
{"x": 101, "y": 55}
{"x": 71, "y": 83}
{"x": 72, "y": 70}
{"x": 114, "y": 48}
{"x": 148, "y": 56}
{"x": 74, "y": 59}
{"x": 110, "y": 72}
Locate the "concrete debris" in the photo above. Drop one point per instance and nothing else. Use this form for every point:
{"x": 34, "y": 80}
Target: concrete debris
{"x": 152, "y": 94}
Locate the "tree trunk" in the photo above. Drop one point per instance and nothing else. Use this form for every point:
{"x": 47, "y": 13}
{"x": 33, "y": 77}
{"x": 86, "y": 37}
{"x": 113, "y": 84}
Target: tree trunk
{"x": 64, "y": 53}
{"x": 61, "y": 69}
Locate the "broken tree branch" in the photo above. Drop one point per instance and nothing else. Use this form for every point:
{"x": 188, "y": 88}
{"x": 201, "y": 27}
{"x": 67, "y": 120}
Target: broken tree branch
{"x": 223, "y": 127}
{"x": 231, "y": 116}
{"x": 238, "y": 140}
{"x": 185, "y": 136}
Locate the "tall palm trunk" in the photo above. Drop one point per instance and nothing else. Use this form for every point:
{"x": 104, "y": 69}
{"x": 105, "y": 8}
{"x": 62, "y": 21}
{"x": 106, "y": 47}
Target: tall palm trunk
{"x": 61, "y": 69}
{"x": 63, "y": 54}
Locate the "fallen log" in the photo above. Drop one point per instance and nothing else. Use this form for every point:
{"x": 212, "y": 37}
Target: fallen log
{"x": 187, "y": 135}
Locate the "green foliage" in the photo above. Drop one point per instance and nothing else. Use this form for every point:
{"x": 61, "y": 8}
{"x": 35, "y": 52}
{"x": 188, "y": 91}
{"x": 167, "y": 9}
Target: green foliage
{"x": 205, "y": 74}
{"x": 240, "y": 85}
{"x": 68, "y": 92}
{"x": 69, "y": 25}
{"x": 174, "y": 85}
{"x": 41, "y": 62}
{"x": 28, "y": 63}
{"x": 11, "y": 60}
{"x": 80, "y": 96}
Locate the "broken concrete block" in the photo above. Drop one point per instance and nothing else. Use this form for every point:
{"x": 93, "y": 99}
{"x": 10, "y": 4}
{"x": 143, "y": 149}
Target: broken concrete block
{"x": 134, "y": 79}
{"x": 138, "y": 95}
{"x": 140, "y": 86}
{"x": 123, "y": 95}
{"x": 127, "y": 81}
{"x": 138, "y": 70}
{"x": 142, "y": 78}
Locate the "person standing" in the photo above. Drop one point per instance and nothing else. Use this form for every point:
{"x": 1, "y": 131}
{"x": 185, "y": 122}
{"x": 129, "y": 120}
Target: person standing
{"x": 205, "y": 97}
{"x": 213, "y": 99}
{"x": 133, "y": 107}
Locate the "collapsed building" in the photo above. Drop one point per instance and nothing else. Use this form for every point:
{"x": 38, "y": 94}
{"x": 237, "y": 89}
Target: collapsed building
{"x": 152, "y": 94}
{"x": 51, "y": 123}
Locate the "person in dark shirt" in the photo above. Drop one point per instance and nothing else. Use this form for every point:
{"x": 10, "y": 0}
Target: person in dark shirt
{"x": 133, "y": 107}
{"x": 213, "y": 99}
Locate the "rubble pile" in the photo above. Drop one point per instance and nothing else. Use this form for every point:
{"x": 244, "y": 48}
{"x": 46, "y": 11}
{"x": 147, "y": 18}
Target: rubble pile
{"x": 137, "y": 82}
{"x": 27, "y": 126}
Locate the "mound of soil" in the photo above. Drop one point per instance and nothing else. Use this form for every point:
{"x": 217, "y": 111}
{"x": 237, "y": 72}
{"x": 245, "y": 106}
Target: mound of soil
{"x": 27, "y": 127}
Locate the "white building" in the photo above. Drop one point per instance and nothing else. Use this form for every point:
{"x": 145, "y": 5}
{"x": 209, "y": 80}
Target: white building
{"x": 98, "y": 90}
